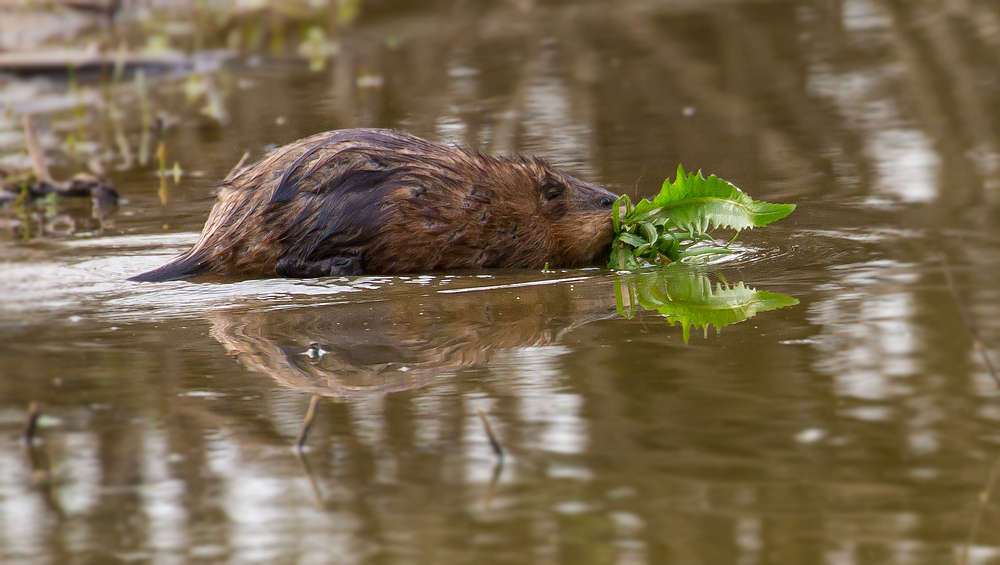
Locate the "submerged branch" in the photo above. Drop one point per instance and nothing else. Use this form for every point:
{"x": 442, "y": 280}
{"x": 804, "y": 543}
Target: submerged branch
{"x": 984, "y": 498}
{"x": 489, "y": 434}
{"x": 970, "y": 325}
{"x": 31, "y": 423}
{"x": 38, "y": 163}
{"x": 310, "y": 414}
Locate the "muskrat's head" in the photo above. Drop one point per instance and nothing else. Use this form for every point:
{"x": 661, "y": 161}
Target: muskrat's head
{"x": 580, "y": 214}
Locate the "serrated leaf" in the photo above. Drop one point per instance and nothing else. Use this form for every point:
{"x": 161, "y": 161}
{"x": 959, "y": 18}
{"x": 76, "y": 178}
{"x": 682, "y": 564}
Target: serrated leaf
{"x": 685, "y": 212}
{"x": 693, "y": 203}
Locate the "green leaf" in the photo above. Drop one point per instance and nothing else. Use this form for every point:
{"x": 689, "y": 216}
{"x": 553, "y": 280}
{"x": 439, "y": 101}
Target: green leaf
{"x": 616, "y": 213}
{"x": 640, "y": 251}
{"x": 631, "y": 239}
{"x": 682, "y": 216}
{"x": 693, "y": 203}
{"x": 669, "y": 248}
{"x": 622, "y": 259}
{"x": 646, "y": 211}
{"x": 651, "y": 234}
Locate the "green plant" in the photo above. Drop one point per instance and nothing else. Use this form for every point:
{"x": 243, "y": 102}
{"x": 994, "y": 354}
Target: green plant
{"x": 678, "y": 223}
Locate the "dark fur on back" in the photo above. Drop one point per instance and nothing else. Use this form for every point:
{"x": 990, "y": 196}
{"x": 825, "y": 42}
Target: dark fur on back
{"x": 379, "y": 202}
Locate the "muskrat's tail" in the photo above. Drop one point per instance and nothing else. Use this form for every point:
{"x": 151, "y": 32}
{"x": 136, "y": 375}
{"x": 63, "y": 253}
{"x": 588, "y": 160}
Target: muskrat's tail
{"x": 187, "y": 265}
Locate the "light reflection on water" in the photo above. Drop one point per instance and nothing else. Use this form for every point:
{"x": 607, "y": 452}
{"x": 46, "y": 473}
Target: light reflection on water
{"x": 551, "y": 413}
{"x": 868, "y": 337}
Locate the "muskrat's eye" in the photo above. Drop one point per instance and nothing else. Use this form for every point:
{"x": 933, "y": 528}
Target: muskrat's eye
{"x": 606, "y": 202}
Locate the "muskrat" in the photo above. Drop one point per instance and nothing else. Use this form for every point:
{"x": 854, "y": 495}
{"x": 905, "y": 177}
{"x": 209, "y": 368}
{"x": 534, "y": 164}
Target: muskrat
{"x": 374, "y": 201}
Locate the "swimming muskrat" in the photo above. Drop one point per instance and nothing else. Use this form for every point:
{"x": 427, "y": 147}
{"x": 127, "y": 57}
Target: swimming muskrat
{"x": 373, "y": 201}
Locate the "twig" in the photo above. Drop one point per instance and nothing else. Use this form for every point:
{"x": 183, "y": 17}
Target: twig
{"x": 38, "y": 164}
{"x": 984, "y": 498}
{"x": 967, "y": 318}
{"x": 489, "y": 433}
{"x": 492, "y": 487}
{"x": 498, "y": 466}
{"x": 310, "y": 414}
{"x": 123, "y": 145}
{"x": 161, "y": 158}
{"x": 970, "y": 326}
{"x": 313, "y": 485}
{"x": 31, "y": 423}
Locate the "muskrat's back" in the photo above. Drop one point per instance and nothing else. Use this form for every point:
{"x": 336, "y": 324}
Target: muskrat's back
{"x": 372, "y": 201}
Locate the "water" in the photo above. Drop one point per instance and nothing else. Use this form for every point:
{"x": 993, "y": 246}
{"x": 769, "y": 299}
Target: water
{"x": 856, "y": 426}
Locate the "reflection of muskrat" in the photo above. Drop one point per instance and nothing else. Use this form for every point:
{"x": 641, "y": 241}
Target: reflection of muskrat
{"x": 372, "y": 201}
{"x": 409, "y": 339}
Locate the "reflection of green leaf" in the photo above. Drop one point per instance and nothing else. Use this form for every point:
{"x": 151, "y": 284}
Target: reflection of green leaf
{"x": 685, "y": 295}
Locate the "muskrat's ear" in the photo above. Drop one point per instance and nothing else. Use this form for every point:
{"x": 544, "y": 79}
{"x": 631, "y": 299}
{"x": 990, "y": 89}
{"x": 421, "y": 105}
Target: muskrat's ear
{"x": 550, "y": 186}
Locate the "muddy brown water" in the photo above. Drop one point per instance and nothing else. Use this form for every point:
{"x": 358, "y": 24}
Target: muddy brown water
{"x": 857, "y": 426}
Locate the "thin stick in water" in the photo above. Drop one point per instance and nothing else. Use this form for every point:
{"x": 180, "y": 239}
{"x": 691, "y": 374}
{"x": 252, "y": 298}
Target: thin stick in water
{"x": 984, "y": 498}
{"x": 31, "y": 423}
{"x": 161, "y": 156}
{"x": 492, "y": 487}
{"x": 489, "y": 433}
{"x": 313, "y": 485}
{"x": 310, "y": 414}
{"x": 970, "y": 325}
{"x": 35, "y": 152}
{"x": 147, "y": 117}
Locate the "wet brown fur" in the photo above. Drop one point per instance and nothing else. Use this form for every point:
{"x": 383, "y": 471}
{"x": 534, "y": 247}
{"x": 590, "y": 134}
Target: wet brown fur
{"x": 379, "y": 202}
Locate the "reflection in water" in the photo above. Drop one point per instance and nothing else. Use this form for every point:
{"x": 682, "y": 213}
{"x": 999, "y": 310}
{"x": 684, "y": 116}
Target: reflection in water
{"x": 902, "y": 156}
{"x": 550, "y": 411}
{"x": 869, "y": 339}
{"x": 411, "y": 338}
{"x": 24, "y": 516}
{"x": 404, "y": 340}
{"x": 551, "y": 127}
{"x": 55, "y": 219}
{"x": 80, "y": 475}
{"x": 906, "y": 165}
{"x": 684, "y": 294}
{"x": 162, "y": 499}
